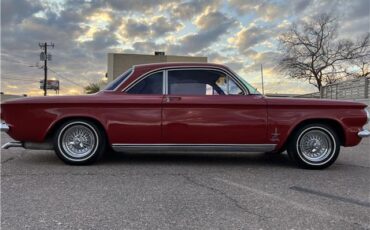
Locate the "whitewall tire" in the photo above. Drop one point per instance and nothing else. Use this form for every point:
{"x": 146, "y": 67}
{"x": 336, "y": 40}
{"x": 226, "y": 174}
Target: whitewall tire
{"x": 79, "y": 142}
{"x": 314, "y": 146}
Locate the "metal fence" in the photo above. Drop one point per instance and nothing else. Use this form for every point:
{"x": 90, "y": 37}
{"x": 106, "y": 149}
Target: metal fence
{"x": 351, "y": 89}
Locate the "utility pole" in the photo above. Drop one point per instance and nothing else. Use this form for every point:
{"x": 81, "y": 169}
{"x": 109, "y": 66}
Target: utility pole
{"x": 263, "y": 87}
{"x": 44, "y": 57}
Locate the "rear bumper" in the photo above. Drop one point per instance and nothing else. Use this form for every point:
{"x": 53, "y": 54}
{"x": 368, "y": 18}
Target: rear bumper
{"x": 364, "y": 133}
{"x": 4, "y": 127}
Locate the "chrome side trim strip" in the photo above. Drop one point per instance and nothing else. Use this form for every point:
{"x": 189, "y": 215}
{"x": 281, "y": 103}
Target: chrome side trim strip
{"x": 193, "y": 147}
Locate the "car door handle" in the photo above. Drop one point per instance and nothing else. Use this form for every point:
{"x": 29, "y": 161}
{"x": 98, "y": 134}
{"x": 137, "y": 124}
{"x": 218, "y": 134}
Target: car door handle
{"x": 168, "y": 99}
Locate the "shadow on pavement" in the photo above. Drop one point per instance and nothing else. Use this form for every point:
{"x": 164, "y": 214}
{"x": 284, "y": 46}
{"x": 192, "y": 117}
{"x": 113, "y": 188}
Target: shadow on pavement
{"x": 114, "y": 158}
{"x": 184, "y": 159}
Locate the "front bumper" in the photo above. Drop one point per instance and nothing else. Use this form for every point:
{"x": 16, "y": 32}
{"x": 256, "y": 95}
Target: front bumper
{"x": 364, "y": 133}
{"x": 4, "y": 127}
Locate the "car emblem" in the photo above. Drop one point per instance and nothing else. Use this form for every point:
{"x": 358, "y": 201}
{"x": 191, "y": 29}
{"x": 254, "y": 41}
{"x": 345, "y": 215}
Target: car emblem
{"x": 275, "y": 135}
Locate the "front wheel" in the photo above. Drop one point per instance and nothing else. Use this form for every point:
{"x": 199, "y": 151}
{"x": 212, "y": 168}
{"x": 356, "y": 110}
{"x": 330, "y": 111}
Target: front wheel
{"x": 79, "y": 142}
{"x": 314, "y": 146}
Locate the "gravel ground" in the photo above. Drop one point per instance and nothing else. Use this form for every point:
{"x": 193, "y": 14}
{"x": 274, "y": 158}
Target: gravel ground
{"x": 178, "y": 191}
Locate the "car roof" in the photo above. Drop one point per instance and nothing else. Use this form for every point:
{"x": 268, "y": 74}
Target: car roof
{"x": 177, "y": 64}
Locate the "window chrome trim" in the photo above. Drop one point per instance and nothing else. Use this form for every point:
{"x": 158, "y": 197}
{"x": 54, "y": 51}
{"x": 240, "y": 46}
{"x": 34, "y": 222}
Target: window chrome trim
{"x": 124, "y": 80}
{"x": 228, "y": 75}
{"x": 142, "y": 77}
{"x": 212, "y": 69}
{"x": 226, "y": 71}
{"x": 165, "y": 82}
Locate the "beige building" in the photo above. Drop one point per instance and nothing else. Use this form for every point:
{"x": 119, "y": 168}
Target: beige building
{"x": 120, "y": 62}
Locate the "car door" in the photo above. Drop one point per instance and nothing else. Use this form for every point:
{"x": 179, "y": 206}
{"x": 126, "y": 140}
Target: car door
{"x": 137, "y": 119}
{"x": 207, "y": 106}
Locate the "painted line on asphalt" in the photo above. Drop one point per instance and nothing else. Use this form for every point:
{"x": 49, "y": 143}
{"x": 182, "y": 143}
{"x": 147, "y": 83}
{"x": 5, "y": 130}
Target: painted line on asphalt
{"x": 292, "y": 203}
{"x": 331, "y": 196}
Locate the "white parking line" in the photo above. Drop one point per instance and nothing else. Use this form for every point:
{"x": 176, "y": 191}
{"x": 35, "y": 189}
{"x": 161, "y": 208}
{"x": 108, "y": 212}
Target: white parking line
{"x": 290, "y": 202}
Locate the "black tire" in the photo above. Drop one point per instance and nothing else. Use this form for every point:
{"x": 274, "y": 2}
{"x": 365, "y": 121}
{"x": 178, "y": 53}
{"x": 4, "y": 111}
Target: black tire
{"x": 328, "y": 146}
{"x": 91, "y": 135}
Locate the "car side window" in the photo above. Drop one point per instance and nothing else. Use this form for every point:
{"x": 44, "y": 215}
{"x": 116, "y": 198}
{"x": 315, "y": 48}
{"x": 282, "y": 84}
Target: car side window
{"x": 200, "y": 82}
{"x": 234, "y": 89}
{"x": 152, "y": 84}
{"x": 196, "y": 82}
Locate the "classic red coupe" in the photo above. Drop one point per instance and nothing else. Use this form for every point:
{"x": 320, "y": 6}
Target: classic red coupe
{"x": 187, "y": 107}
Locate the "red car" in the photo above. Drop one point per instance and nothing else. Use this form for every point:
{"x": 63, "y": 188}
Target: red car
{"x": 184, "y": 107}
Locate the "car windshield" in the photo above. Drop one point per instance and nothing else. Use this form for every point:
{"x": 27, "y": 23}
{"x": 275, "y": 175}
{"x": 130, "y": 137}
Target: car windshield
{"x": 250, "y": 88}
{"x": 118, "y": 80}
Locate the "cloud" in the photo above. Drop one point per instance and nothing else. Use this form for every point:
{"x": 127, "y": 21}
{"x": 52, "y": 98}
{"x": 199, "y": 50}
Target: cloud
{"x": 101, "y": 40}
{"x": 189, "y": 9}
{"x": 212, "y": 26}
{"x": 266, "y": 10}
{"x": 132, "y": 28}
{"x": 147, "y": 28}
{"x": 359, "y": 9}
{"x": 146, "y": 47}
{"x": 250, "y": 36}
{"x": 268, "y": 59}
{"x": 239, "y": 33}
{"x": 14, "y": 11}
{"x": 300, "y": 5}
{"x": 135, "y": 5}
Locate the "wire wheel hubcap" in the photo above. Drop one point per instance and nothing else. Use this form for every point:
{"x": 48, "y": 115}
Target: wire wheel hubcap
{"x": 78, "y": 141}
{"x": 315, "y": 145}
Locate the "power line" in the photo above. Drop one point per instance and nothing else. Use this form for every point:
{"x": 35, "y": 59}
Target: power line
{"x": 12, "y": 55}
{"x": 20, "y": 73}
{"x": 65, "y": 78}
{"x": 19, "y": 61}
{"x": 17, "y": 79}
{"x": 11, "y": 77}
{"x": 16, "y": 75}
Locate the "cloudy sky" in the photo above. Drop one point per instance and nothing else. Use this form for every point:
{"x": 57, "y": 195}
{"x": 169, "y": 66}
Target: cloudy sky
{"x": 239, "y": 33}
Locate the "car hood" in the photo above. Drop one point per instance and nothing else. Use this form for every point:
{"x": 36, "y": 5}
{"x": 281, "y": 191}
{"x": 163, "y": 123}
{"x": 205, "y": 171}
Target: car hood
{"x": 52, "y": 99}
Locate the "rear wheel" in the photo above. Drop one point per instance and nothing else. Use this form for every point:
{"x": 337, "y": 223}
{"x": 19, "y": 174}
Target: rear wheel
{"x": 79, "y": 142}
{"x": 314, "y": 146}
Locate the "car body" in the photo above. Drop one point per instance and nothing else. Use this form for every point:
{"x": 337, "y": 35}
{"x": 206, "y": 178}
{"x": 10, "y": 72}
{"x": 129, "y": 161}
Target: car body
{"x": 182, "y": 107}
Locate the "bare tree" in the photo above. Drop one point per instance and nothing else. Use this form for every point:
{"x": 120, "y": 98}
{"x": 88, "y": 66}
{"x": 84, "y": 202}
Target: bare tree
{"x": 359, "y": 67}
{"x": 313, "y": 52}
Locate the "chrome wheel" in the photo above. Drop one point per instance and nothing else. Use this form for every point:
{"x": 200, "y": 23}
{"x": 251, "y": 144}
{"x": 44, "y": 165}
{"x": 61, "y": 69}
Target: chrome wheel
{"x": 315, "y": 145}
{"x": 78, "y": 141}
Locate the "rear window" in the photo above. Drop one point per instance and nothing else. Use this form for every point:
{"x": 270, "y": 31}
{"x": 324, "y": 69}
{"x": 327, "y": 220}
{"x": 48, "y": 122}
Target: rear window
{"x": 118, "y": 81}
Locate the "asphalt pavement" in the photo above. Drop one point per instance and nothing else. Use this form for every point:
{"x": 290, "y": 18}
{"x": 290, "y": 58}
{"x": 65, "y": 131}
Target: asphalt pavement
{"x": 184, "y": 191}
